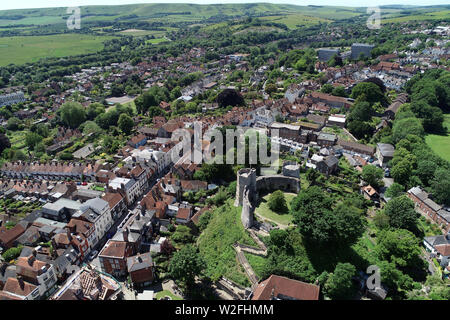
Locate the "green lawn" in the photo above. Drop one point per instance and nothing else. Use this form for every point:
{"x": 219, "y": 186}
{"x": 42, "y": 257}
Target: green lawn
{"x": 19, "y": 50}
{"x": 216, "y": 244}
{"x": 292, "y": 21}
{"x": 339, "y": 132}
{"x": 264, "y": 211}
{"x": 429, "y": 228}
{"x": 257, "y": 263}
{"x": 439, "y": 15}
{"x": 167, "y": 293}
{"x": 440, "y": 144}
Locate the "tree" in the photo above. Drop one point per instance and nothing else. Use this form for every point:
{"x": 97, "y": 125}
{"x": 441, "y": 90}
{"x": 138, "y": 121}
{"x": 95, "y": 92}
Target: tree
{"x": 278, "y": 237}
{"x": 326, "y": 88}
{"x": 4, "y": 142}
{"x": 277, "y": 202}
{"x": 339, "y": 91}
{"x": 32, "y": 139}
{"x": 271, "y": 88}
{"x": 381, "y": 220}
{"x": 433, "y": 118}
{"x": 335, "y": 60}
{"x": 400, "y": 247}
{"x": 369, "y": 92}
{"x": 13, "y": 124}
{"x": 407, "y": 126}
{"x": 312, "y": 175}
{"x": 117, "y": 89}
{"x": 204, "y": 220}
{"x": 401, "y": 213}
{"x": 361, "y": 111}
{"x": 373, "y": 176}
{"x": 360, "y": 129}
{"x": 339, "y": 285}
{"x": 230, "y": 97}
{"x": 425, "y": 170}
{"x": 72, "y": 114}
{"x": 401, "y": 171}
{"x": 318, "y": 223}
{"x": 185, "y": 265}
{"x": 91, "y": 127}
{"x": 12, "y": 253}
{"x": 182, "y": 235}
{"x": 167, "y": 248}
{"x": 395, "y": 190}
{"x": 94, "y": 109}
{"x": 441, "y": 186}
{"x": 394, "y": 278}
{"x": 311, "y": 210}
{"x": 125, "y": 123}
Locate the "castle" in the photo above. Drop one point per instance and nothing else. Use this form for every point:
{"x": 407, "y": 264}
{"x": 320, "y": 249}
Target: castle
{"x": 249, "y": 186}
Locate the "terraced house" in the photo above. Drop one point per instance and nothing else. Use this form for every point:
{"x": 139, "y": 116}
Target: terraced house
{"x": 48, "y": 171}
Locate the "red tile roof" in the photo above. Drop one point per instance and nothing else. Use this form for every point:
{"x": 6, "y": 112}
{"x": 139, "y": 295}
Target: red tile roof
{"x": 280, "y": 286}
{"x": 13, "y": 285}
{"x": 113, "y": 198}
{"x": 116, "y": 249}
{"x": 184, "y": 213}
{"x": 443, "y": 249}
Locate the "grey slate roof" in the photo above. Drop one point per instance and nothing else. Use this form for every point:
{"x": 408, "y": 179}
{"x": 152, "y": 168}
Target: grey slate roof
{"x": 386, "y": 150}
{"x": 139, "y": 262}
{"x": 331, "y": 161}
{"x": 437, "y": 240}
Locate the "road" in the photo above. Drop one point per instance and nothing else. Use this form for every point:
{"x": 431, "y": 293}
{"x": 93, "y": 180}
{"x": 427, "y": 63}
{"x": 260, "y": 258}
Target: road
{"x": 101, "y": 243}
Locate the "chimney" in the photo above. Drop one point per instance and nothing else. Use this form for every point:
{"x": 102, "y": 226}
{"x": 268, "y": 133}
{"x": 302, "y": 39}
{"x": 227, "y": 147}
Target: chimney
{"x": 21, "y": 282}
{"x": 32, "y": 258}
{"x": 69, "y": 235}
{"x": 125, "y": 235}
{"x": 272, "y": 294}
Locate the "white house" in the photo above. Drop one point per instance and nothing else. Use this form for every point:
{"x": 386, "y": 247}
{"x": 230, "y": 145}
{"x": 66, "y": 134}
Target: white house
{"x": 128, "y": 186}
{"x": 439, "y": 246}
{"x": 98, "y": 212}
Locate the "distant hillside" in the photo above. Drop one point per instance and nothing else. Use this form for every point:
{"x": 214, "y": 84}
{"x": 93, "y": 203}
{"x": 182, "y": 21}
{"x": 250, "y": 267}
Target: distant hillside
{"x": 170, "y": 13}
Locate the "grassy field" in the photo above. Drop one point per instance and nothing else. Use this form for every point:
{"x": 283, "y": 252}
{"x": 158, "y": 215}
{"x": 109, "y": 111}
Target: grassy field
{"x": 292, "y": 21}
{"x": 173, "y": 12}
{"x": 156, "y": 41}
{"x": 216, "y": 244}
{"x": 19, "y": 50}
{"x": 257, "y": 263}
{"x": 438, "y": 15}
{"x": 440, "y": 144}
{"x": 264, "y": 210}
{"x": 166, "y": 293}
{"x": 339, "y": 132}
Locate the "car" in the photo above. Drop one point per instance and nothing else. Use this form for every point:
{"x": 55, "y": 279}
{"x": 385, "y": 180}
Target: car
{"x": 84, "y": 183}
{"x": 78, "y": 183}
{"x": 92, "y": 255}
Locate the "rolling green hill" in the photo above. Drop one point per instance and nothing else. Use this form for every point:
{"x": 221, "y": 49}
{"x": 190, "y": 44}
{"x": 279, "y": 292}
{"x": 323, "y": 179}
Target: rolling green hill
{"x": 170, "y": 13}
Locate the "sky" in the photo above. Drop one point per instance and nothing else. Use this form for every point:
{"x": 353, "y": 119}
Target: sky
{"x": 24, "y": 4}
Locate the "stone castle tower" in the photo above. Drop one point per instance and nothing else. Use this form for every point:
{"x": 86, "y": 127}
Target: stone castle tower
{"x": 246, "y": 194}
{"x": 247, "y": 209}
{"x": 245, "y": 178}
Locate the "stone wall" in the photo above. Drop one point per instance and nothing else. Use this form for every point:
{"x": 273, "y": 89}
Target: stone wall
{"x": 249, "y": 186}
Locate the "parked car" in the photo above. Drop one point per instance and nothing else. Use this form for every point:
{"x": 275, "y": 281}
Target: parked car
{"x": 92, "y": 255}
{"x": 84, "y": 183}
